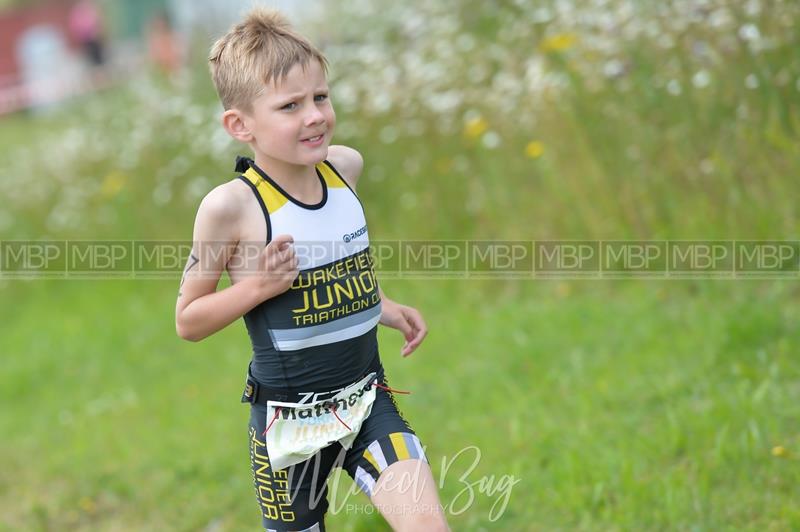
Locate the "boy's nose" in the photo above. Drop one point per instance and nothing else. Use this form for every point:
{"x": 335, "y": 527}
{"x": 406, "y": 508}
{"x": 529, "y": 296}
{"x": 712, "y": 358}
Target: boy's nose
{"x": 314, "y": 116}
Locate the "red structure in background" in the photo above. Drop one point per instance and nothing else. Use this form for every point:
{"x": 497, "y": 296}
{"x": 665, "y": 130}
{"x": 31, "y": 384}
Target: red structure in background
{"x": 14, "y": 93}
{"x": 43, "y": 61}
{"x": 13, "y": 24}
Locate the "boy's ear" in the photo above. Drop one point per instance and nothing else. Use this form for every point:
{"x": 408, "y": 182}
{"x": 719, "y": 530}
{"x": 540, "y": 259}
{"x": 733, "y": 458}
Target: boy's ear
{"x": 233, "y": 120}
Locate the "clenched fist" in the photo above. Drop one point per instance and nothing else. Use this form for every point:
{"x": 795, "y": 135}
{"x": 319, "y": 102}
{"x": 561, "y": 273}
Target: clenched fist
{"x": 277, "y": 268}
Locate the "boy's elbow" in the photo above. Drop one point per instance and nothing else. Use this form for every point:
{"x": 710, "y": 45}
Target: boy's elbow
{"x": 186, "y": 333}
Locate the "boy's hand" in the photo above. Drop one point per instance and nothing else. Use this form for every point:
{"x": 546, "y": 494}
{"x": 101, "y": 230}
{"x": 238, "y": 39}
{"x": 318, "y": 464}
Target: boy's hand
{"x": 278, "y": 266}
{"x": 407, "y": 320}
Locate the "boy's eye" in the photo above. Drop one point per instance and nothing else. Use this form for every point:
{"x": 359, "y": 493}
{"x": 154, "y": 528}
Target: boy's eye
{"x": 320, "y": 97}
{"x": 289, "y": 106}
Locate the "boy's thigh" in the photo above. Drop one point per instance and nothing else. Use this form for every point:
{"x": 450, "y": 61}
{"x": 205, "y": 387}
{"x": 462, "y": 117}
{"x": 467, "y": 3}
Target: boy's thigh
{"x": 388, "y": 463}
{"x": 385, "y": 438}
{"x": 294, "y": 498}
{"x": 406, "y": 495}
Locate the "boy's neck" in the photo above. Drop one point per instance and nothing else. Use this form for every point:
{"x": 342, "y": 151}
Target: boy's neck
{"x": 300, "y": 181}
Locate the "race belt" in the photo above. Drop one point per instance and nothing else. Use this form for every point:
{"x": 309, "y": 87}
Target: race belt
{"x": 297, "y": 431}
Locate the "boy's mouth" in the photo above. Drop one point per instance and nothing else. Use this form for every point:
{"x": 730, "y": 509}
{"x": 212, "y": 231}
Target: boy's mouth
{"x": 313, "y": 140}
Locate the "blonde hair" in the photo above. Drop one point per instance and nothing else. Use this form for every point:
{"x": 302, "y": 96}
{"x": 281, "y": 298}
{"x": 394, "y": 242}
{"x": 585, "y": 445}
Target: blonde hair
{"x": 261, "y": 49}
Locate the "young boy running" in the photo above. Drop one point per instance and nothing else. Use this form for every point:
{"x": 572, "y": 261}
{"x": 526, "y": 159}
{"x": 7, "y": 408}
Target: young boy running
{"x": 292, "y": 235}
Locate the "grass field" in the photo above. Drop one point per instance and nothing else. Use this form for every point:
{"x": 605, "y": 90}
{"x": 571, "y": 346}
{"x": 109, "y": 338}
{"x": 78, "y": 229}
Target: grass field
{"x": 633, "y": 406}
{"x": 545, "y": 405}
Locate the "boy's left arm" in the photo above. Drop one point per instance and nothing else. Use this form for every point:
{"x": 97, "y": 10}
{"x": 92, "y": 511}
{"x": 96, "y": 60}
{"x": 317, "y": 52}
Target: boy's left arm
{"x": 408, "y": 320}
{"x": 405, "y": 319}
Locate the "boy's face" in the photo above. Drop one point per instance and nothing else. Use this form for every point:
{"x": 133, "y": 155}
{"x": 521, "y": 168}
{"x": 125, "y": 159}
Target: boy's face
{"x": 293, "y": 120}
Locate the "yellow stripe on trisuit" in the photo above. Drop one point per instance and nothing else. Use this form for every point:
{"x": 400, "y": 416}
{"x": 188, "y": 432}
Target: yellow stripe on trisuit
{"x": 399, "y": 444}
{"x": 330, "y": 177}
{"x": 273, "y": 199}
{"x": 371, "y": 460}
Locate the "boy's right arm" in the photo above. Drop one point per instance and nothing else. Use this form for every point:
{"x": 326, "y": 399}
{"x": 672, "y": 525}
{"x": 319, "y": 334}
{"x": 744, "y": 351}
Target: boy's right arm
{"x": 200, "y": 310}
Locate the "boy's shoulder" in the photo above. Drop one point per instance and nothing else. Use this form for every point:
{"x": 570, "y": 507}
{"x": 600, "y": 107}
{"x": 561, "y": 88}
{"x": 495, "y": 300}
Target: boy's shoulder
{"x": 228, "y": 197}
{"x": 347, "y": 161}
{"x": 225, "y": 203}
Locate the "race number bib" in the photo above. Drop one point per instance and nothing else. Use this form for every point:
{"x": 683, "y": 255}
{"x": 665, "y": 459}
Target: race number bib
{"x": 295, "y": 431}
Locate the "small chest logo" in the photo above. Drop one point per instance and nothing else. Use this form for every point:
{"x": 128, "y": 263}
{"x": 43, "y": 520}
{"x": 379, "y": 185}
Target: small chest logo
{"x": 347, "y": 237}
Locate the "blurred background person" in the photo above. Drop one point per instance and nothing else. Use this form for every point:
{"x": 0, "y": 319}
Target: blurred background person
{"x": 164, "y": 48}
{"x": 86, "y": 27}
